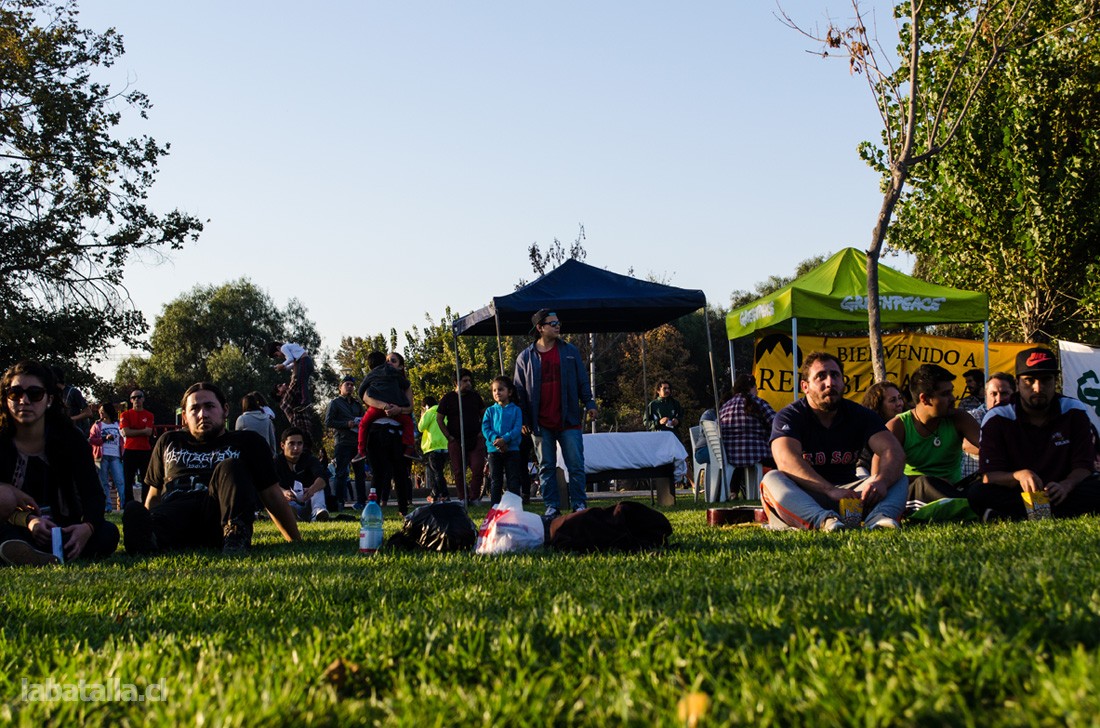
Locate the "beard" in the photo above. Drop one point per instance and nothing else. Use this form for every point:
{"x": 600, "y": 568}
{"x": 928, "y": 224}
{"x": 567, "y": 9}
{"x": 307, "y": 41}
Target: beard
{"x": 1036, "y": 403}
{"x": 824, "y": 401}
{"x": 207, "y": 433}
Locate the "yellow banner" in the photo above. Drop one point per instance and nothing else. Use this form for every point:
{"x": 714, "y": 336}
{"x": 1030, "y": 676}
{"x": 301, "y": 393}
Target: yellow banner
{"x": 775, "y": 378}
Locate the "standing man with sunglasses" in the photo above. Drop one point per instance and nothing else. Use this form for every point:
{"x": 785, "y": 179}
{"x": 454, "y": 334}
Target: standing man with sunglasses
{"x": 551, "y": 385}
{"x": 137, "y": 428}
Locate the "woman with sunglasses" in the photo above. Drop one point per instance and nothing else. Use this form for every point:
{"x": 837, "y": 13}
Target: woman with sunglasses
{"x": 48, "y": 461}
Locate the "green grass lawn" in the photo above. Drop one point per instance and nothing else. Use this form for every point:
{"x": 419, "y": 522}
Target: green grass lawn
{"x": 954, "y": 624}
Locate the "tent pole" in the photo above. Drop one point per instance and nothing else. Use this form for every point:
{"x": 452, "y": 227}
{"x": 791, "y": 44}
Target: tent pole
{"x": 461, "y": 429}
{"x": 794, "y": 356}
{"x": 500, "y": 348}
{"x": 733, "y": 367}
{"x": 592, "y": 370}
{"x": 723, "y": 491}
{"x": 987, "y": 350}
{"x": 645, "y": 382}
{"x": 710, "y": 356}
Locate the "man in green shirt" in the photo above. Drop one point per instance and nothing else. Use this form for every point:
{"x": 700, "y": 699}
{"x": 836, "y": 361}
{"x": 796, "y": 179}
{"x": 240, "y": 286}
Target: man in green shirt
{"x": 433, "y": 443}
{"x": 664, "y": 413}
{"x": 932, "y": 435}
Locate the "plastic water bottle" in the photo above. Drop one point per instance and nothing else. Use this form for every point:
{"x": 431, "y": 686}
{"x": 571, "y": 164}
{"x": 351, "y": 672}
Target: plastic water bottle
{"x": 370, "y": 527}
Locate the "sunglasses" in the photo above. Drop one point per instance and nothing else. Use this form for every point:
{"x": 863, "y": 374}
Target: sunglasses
{"x": 551, "y": 323}
{"x": 34, "y": 394}
{"x": 140, "y": 396}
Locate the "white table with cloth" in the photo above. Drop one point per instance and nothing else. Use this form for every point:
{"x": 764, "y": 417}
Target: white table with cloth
{"x": 632, "y": 455}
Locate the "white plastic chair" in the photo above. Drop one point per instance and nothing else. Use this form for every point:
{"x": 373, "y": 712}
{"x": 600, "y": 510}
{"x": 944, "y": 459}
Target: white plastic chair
{"x": 751, "y": 476}
{"x": 711, "y": 477}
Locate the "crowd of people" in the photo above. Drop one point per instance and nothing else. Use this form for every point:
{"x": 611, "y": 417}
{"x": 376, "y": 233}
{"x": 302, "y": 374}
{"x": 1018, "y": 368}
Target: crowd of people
{"x": 1026, "y": 446}
{"x": 203, "y": 485}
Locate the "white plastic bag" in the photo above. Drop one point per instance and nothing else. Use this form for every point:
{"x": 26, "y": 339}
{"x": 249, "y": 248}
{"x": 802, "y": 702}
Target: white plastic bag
{"x": 507, "y": 527}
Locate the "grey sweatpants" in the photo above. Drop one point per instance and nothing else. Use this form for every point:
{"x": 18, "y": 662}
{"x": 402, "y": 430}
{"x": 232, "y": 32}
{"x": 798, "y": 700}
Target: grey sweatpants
{"x": 788, "y": 505}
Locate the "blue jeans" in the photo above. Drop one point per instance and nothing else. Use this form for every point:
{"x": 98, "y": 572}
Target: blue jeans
{"x": 342, "y": 453}
{"x": 572, "y": 450}
{"x": 110, "y": 470}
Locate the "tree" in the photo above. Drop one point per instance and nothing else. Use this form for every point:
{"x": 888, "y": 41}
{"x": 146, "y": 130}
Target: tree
{"x": 743, "y": 348}
{"x": 218, "y": 333}
{"x": 948, "y": 51}
{"x": 351, "y": 357}
{"x": 72, "y": 196}
{"x": 773, "y": 283}
{"x": 666, "y": 357}
{"x": 430, "y": 356}
{"x": 1012, "y": 209}
{"x": 555, "y": 254}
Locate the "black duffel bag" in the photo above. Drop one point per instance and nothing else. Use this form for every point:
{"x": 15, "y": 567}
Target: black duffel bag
{"x": 629, "y": 526}
{"x": 436, "y": 527}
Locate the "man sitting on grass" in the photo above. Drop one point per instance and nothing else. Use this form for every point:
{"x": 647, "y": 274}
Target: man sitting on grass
{"x": 301, "y": 476}
{"x": 204, "y": 483}
{"x": 1040, "y": 444}
{"x": 816, "y": 442}
{"x": 932, "y": 435}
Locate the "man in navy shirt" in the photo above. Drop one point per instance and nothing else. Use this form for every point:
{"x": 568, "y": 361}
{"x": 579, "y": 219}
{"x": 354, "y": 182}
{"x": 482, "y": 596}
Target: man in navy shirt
{"x": 816, "y": 442}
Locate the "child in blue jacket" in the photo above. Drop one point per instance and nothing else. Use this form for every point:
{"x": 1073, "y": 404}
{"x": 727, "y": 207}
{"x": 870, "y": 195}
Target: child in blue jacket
{"x": 501, "y": 425}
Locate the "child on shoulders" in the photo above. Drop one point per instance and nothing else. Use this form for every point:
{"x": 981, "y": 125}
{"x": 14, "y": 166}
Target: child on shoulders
{"x": 387, "y": 383}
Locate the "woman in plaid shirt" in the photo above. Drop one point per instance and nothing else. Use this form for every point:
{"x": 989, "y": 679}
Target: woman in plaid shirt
{"x": 746, "y": 424}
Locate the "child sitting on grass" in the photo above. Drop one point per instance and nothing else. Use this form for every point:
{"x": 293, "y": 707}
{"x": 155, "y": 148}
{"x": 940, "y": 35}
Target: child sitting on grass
{"x": 502, "y": 426}
{"x": 386, "y": 383}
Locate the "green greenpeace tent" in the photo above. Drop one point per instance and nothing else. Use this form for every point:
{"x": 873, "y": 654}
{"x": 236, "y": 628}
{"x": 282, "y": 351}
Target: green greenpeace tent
{"x": 833, "y": 297}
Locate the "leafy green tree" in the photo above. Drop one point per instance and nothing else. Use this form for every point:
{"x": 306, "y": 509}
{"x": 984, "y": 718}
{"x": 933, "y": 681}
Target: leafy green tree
{"x": 218, "y": 333}
{"x": 430, "y": 357}
{"x": 693, "y": 328}
{"x": 72, "y": 194}
{"x": 743, "y": 347}
{"x": 948, "y": 52}
{"x": 1013, "y": 209}
{"x": 773, "y": 282}
{"x": 351, "y": 357}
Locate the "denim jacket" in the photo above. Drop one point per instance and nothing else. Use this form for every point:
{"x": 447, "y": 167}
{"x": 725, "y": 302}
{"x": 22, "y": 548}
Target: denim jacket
{"x": 575, "y": 387}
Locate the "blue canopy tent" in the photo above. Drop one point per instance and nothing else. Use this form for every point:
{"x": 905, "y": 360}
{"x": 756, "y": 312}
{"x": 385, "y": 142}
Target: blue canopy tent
{"x": 590, "y": 300}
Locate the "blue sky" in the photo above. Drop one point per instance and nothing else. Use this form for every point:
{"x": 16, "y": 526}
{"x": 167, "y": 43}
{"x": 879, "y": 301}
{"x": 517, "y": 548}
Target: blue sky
{"x": 381, "y": 161}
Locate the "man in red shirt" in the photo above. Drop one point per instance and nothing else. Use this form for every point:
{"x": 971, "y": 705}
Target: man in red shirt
{"x": 136, "y": 424}
{"x": 551, "y": 386}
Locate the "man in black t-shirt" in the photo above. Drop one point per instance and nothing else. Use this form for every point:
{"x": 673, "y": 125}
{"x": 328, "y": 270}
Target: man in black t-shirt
{"x": 205, "y": 484}
{"x": 464, "y": 430}
{"x": 302, "y": 478}
{"x": 816, "y": 442}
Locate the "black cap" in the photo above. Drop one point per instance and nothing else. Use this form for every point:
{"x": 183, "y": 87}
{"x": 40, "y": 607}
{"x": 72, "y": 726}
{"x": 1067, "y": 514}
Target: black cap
{"x": 1037, "y": 360}
{"x": 537, "y": 319}
{"x": 348, "y": 378}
